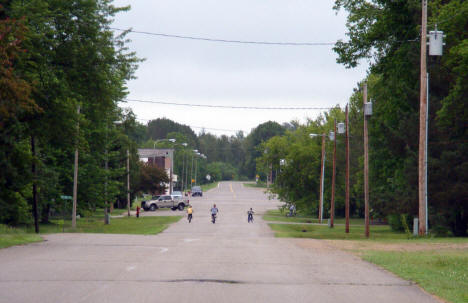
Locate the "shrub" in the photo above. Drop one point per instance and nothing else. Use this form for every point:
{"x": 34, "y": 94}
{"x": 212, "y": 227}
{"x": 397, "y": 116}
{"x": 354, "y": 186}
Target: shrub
{"x": 396, "y": 223}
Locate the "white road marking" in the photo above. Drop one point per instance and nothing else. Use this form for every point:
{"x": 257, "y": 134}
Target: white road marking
{"x": 164, "y": 249}
{"x": 130, "y": 268}
{"x": 190, "y": 240}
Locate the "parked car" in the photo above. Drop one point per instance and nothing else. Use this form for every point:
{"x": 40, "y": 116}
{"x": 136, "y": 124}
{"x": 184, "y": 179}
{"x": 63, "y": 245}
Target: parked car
{"x": 165, "y": 201}
{"x": 177, "y": 193}
{"x": 197, "y": 191}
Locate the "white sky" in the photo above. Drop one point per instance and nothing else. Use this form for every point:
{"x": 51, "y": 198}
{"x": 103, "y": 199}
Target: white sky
{"x": 198, "y": 72}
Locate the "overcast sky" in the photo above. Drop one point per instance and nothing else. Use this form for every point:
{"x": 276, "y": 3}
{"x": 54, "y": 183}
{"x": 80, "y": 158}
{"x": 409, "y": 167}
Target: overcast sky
{"x": 199, "y": 72}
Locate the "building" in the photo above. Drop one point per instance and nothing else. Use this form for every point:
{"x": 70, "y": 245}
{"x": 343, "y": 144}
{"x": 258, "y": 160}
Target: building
{"x": 162, "y": 158}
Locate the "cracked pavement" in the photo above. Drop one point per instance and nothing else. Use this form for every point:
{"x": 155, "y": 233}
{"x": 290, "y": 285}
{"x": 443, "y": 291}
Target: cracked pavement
{"x": 230, "y": 261}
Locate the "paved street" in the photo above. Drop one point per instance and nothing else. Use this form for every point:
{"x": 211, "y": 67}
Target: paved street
{"x": 230, "y": 261}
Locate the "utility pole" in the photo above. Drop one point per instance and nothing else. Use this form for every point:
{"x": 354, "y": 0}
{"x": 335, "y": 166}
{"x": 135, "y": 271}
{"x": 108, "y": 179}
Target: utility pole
{"x": 75, "y": 175}
{"x": 332, "y": 207}
{"x": 196, "y": 170}
{"x": 191, "y": 175}
{"x": 183, "y": 170}
{"x": 186, "y": 173}
{"x": 128, "y": 182}
{"x": 322, "y": 175}
{"x": 347, "y": 172}
{"x": 171, "y": 173}
{"x": 34, "y": 172}
{"x": 106, "y": 166}
{"x": 106, "y": 210}
{"x": 366, "y": 163}
{"x": 422, "y": 123}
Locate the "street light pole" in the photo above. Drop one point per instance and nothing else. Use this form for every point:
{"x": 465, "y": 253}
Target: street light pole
{"x": 366, "y": 163}
{"x": 191, "y": 174}
{"x": 322, "y": 177}
{"x": 75, "y": 174}
{"x": 183, "y": 170}
{"x": 106, "y": 166}
{"x": 347, "y": 173}
{"x": 332, "y": 206}
{"x": 128, "y": 182}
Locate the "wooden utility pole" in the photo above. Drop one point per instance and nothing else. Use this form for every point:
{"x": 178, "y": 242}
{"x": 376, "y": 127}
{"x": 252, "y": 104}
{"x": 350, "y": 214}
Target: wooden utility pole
{"x": 106, "y": 166}
{"x": 366, "y": 163}
{"x": 422, "y": 123}
{"x": 75, "y": 175}
{"x": 347, "y": 173}
{"x": 34, "y": 189}
{"x": 322, "y": 173}
{"x": 128, "y": 182}
{"x": 106, "y": 202}
{"x": 332, "y": 206}
{"x": 171, "y": 183}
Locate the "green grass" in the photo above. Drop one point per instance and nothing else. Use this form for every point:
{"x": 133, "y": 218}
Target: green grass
{"x": 206, "y": 187}
{"x": 257, "y": 185}
{"x": 278, "y": 216}
{"x": 125, "y": 225}
{"x": 11, "y": 236}
{"x": 91, "y": 224}
{"x": 443, "y": 273}
{"x": 336, "y": 233}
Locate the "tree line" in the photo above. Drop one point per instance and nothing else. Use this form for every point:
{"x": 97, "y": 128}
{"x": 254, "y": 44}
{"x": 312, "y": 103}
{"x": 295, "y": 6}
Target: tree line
{"x": 63, "y": 72}
{"x": 386, "y": 32}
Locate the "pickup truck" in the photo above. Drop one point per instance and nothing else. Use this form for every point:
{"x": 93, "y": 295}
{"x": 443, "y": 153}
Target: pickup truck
{"x": 165, "y": 201}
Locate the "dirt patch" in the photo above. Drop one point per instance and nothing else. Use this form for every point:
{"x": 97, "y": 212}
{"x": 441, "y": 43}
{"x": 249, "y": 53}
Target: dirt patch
{"x": 367, "y": 245}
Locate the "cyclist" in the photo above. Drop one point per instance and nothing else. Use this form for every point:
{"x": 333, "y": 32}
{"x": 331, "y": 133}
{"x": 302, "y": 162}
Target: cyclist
{"x": 250, "y": 215}
{"x": 189, "y": 213}
{"x": 214, "y": 212}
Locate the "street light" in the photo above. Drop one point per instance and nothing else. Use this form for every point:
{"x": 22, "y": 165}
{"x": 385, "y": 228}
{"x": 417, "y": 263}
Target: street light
{"x": 322, "y": 174}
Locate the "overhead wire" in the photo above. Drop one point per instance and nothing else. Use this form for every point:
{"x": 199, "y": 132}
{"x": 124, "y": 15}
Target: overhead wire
{"x": 226, "y": 40}
{"x": 200, "y": 127}
{"x": 227, "y": 106}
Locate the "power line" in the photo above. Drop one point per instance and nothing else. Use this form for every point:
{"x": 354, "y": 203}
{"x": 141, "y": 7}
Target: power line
{"x": 228, "y": 106}
{"x": 227, "y": 40}
{"x": 201, "y": 127}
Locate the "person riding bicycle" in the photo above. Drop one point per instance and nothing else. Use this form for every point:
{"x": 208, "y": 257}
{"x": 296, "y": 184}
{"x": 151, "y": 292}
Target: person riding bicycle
{"x": 214, "y": 212}
{"x": 250, "y": 215}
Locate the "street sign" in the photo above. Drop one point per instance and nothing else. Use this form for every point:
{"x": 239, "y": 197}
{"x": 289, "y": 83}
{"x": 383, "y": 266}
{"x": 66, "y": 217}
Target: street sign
{"x": 208, "y": 177}
{"x": 66, "y": 197}
{"x": 193, "y": 180}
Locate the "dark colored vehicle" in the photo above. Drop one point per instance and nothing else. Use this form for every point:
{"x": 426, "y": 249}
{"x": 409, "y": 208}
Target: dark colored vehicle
{"x": 197, "y": 191}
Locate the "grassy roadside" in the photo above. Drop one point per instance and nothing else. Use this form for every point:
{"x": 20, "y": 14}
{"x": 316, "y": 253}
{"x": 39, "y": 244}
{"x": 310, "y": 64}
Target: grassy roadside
{"x": 440, "y": 272}
{"x": 439, "y": 265}
{"x": 256, "y": 185}
{"x": 92, "y": 224}
{"x": 11, "y": 236}
{"x": 275, "y": 215}
{"x": 383, "y": 233}
{"x": 208, "y": 186}
{"x": 126, "y": 225}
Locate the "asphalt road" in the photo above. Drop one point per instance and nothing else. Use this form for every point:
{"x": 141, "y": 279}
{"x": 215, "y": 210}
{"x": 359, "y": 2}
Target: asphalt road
{"x": 230, "y": 261}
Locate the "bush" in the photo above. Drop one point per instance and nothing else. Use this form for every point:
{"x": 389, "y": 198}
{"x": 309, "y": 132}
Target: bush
{"x": 396, "y": 223}
{"x": 14, "y": 209}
